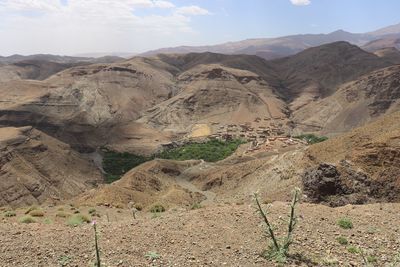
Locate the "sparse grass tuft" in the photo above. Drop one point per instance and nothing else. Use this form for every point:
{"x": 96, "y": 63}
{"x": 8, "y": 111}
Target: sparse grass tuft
{"x": 31, "y": 208}
{"x": 345, "y": 223}
{"x": 372, "y": 259}
{"x": 152, "y": 255}
{"x": 64, "y": 260}
{"x": 62, "y": 214}
{"x": 353, "y": 250}
{"x": 330, "y": 261}
{"x": 77, "y": 220}
{"x": 47, "y": 221}
{"x": 27, "y": 219}
{"x": 157, "y": 208}
{"x": 196, "y": 206}
{"x": 342, "y": 240}
{"x": 10, "y": 213}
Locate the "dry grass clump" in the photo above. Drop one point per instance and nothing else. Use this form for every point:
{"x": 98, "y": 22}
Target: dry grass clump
{"x": 36, "y": 213}
{"x": 77, "y": 220}
{"x": 157, "y": 208}
{"x": 10, "y": 213}
{"x": 31, "y": 208}
{"x": 62, "y": 214}
{"x": 27, "y": 219}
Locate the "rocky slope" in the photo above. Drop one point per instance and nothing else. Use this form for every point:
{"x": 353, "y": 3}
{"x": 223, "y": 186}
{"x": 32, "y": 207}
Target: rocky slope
{"x": 317, "y": 72}
{"x": 213, "y": 94}
{"x": 353, "y": 104}
{"x": 33, "y": 69}
{"x": 35, "y": 168}
{"x": 364, "y": 165}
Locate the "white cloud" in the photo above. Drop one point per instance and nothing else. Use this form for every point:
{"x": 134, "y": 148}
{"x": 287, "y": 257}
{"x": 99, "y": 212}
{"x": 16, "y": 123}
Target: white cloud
{"x": 81, "y": 26}
{"x": 300, "y": 2}
{"x": 163, "y": 4}
{"x": 192, "y": 10}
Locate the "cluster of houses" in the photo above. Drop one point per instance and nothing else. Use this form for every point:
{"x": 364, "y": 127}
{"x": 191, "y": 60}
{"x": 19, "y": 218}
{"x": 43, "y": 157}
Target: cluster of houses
{"x": 263, "y": 134}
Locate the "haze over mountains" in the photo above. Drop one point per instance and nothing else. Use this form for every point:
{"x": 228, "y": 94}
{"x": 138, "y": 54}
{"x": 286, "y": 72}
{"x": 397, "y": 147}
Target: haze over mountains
{"x": 270, "y": 48}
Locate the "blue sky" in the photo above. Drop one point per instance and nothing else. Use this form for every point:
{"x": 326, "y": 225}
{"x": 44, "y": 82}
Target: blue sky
{"x": 83, "y": 26}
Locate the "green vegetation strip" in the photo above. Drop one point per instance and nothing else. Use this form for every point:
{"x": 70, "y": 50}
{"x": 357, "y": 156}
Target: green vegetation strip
{"x": 116, "y": 164}
{"x": 312, "y": 138}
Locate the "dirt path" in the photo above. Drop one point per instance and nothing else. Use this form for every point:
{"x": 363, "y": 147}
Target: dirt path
{"x": 184, "y": 182}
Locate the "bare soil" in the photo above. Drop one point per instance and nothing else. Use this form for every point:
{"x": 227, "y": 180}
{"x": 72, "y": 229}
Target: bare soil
{"x": 220, "y": 235}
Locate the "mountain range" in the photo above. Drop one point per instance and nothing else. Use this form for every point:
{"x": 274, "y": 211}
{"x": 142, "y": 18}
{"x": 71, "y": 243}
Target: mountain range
{"x": 270, "y": 48}
{"x": 72, "y": 107}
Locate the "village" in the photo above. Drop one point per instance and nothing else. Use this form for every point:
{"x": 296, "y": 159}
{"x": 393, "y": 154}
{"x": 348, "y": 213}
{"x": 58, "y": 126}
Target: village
{"x": 264, "y": 134}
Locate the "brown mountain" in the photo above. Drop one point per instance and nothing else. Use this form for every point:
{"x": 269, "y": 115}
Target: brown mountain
{"x": 269, "y": 48}
{"x": 317, "y": 72}
{"x": 388, "y": 42}
{"x": 35, "y": 168}
{"x": 364, "y": 165}
{"x": 139, "y": 104}
{"x": 33, "y": 69}
{"x": 353, "y": 104}
{"x": 390, "y": 54}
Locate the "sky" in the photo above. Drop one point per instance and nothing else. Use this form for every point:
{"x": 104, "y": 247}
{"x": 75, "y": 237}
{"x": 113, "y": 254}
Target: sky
{"x": 72, "y": 27}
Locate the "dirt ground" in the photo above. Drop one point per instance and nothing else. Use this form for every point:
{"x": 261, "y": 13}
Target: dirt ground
{"x": 216, "y": 235}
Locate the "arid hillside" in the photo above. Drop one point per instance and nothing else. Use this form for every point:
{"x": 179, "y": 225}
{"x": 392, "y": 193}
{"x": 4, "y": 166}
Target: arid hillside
{"x": 143, "y": 105}
{"x": 36, "y": 168}
{"x": 353, "y": 104}
{"x": 363, "y": 165}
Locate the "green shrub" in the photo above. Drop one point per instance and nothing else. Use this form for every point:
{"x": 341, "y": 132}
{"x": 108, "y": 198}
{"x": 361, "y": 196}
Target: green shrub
{"x": 345, "y": 223}
{"x": 342, "y": 240}
{"x": 10, "y": 213}
{"x": 157, "y": 208}
{"x": 353, "y": 249}
{"x": 78, "y": 219}
{"x": 27, "y": 219}
{"x": 311, "y": 138}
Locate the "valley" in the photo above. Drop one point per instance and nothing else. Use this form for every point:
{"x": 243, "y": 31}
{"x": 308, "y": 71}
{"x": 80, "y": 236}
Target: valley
{"x": 165, "y": 151}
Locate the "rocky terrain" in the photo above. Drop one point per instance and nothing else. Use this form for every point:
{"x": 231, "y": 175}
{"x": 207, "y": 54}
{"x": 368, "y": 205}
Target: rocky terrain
{"x": 223, "y": 235}
{"x": 36, "y": 168}
{"x": 59, "y": 116}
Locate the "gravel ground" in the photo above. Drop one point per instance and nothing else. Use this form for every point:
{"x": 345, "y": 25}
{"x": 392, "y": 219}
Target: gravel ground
{"x": 219, "y": 235}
